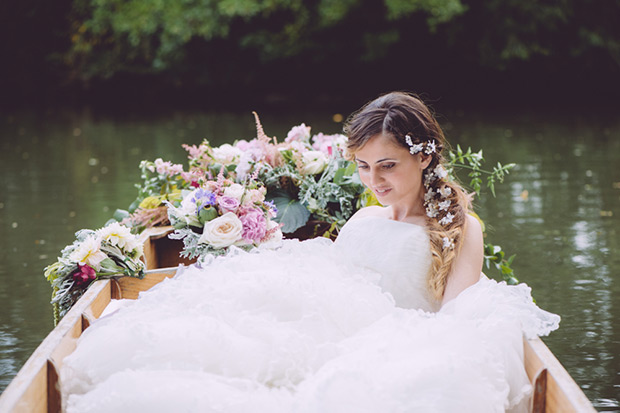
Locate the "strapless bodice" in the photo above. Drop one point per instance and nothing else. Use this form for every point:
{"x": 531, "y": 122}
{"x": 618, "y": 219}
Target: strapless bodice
{"x": 398, "y": 251}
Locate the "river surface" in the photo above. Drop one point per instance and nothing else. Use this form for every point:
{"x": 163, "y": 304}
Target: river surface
{"x": 558, "y": 210}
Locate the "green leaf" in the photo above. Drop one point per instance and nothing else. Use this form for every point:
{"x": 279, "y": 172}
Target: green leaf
{"x": 291, "y": 213}
{"x": 120, "y": 214}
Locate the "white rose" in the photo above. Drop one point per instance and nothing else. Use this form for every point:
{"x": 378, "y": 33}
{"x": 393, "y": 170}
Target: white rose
{"x": 223, "y": 231}
{"x": 234, "y": 191}
{"x": 314, "y": 162}
{"x": 226, "y": 153}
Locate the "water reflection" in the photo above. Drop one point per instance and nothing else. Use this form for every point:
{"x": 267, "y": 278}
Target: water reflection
{"x": 559, "y": 210}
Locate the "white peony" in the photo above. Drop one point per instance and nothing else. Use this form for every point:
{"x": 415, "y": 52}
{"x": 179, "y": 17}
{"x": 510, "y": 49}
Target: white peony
{"x": 188, "y": 211}
{"x": 313, "y": 162}
{"x": 227, "y": 154}
{"x": 89, "y": 252}
{"x": 223, "y": 231}
{"x": 234, "y": 191}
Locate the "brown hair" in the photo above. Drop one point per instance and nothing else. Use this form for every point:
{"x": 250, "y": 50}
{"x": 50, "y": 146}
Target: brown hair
{"x": 397, "y": 115}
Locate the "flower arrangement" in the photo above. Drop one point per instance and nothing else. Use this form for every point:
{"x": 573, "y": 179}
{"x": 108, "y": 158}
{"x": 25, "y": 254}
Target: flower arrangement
{"x": 221, "y": 214}
{"x": 111, "y": 251}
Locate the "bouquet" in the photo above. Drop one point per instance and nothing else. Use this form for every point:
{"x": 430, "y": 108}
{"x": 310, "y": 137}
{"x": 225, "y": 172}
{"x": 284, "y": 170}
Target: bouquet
{"x": 111, "y": 251}
{"x": 221, "y": 214}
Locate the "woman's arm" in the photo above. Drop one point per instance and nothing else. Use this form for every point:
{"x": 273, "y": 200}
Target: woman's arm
{"x": 468, "y": 263}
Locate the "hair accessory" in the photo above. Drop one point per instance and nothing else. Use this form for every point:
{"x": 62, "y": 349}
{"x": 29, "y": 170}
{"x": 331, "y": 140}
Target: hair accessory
{"x": 447, "y": 219}
{"x": 445, "y": 191}
{"x": 448, "y": 243}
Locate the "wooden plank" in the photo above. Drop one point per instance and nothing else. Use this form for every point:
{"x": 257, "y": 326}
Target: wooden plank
{"x": 131, "y": 287}
{"x": 563, "y": 394}
{"x": 28, "y": 391}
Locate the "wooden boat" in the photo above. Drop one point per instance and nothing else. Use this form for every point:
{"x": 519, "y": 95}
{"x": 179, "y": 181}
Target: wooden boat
{"x": 36, "y": 386}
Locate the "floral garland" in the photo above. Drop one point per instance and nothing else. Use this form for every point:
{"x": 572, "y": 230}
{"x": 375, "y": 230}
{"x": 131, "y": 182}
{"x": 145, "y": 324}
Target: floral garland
{"x": 111, "y": 251}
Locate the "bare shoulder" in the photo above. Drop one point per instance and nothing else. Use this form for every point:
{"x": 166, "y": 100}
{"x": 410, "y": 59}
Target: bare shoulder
{"x": 370, "y": 211}
{"x": 467, "y": 265}
{"x": 473, "y": 232}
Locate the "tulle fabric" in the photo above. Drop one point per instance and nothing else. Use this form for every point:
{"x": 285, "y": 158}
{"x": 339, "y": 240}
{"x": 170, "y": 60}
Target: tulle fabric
{"x": 310, "y": 327}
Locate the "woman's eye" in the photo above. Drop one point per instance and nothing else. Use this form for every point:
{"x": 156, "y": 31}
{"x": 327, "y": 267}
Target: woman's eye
{"x": 387, "y": 165}
{"x": 362, "y": 166}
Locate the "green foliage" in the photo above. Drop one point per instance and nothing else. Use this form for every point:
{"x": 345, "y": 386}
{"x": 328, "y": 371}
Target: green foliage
{"x": 473, "y": 162}
{"x": 292, "y": 214}
{"x": 494, "y": 256}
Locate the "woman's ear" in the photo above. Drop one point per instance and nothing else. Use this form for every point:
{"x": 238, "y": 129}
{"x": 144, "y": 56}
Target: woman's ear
{"x": 425, "y": 160}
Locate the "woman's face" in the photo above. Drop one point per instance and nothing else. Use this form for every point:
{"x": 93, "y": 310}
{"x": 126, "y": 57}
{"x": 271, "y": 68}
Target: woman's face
{"x": 391, "y": 171}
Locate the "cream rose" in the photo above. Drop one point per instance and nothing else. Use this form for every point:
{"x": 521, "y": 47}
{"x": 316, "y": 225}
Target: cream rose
{"x": 223, "y": 231}
{"x": 314, "y": 162}
{"x": 234, "y": 191}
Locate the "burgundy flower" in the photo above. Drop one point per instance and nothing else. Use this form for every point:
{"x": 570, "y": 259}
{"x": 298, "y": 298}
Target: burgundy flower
{"x": 84, "y": 275}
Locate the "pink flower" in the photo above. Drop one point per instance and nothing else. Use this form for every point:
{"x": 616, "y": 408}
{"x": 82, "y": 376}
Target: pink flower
{"x": 254, "y": 225}
{"x": 298, "y": 133}
{"x": 84, "y": 275}
{"x": 228, "y": 204}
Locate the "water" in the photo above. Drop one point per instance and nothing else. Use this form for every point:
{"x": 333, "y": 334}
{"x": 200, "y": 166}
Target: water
{"x": 559, "y": 211}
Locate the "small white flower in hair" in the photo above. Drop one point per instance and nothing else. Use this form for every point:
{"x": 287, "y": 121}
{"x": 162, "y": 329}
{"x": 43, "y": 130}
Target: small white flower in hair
{"x": 447, "y": 219}
{"x": 444, "y": 205}
{"x": 431, "y": 210}
{"x": 417, "y": 148}
{"x": 429, "y": 195}
{"x": 445, "y": 191}
{"x": 448, "y": 243}
{"x": 428, "y": 179}
{"x": 440, "y": 171}
{"x": 430, "y": 147}
{"x": 408, "y": 140}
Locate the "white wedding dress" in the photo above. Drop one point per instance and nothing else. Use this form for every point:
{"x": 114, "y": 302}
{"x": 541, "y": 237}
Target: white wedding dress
{"x": 314, "y": 326}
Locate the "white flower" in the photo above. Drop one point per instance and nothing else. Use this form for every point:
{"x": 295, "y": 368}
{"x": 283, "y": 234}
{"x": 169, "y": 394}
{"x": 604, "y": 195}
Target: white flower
{"x": 440, "y": 171}
{"x": 408, "y": 140}
{"x": 253, "y": 196}
{"x": 313, "y": 162}
{"x": 428, "y": 179}
{"x": 227, "y": 154}
{"x": 222, "y": 232}
{"x": 89, "y": 252}
{"x": 187, "y": 212}
{"x": 444, "y": 205}
{"x": 118, "y": 235}
{"x": 445, "y": 191}
{"x": 430, "y": 147}
{"x": 428, "y": 196}
{"x": 431, "y": 210}
{"x": 447, "y": 219}
{"x": 448, "y": 243}
{"x": 416, "y": 148}
{"x": 234, "y": 191}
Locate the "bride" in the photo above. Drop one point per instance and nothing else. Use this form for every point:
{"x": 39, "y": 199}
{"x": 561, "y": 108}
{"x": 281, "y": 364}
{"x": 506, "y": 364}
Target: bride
{"x": 394, "y": 316}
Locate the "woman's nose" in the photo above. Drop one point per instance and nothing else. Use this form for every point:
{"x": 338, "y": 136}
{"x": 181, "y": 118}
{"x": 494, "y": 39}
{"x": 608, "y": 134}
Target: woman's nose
{"x": 375, "y": 177}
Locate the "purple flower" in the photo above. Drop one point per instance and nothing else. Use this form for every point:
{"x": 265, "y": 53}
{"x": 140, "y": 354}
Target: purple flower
{"x": 254, "y": 225}
{"x": 273, "y": 210}
{"x": 84, "y": 275}
{"x": 228, "y": 204}
{"x": 202, "y": 198}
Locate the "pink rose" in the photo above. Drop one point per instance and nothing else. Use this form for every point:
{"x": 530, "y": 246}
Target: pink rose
{"x": 84, "y": 275}
{"x": 254, "y": 225}
{"x": 228, "y": 204}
